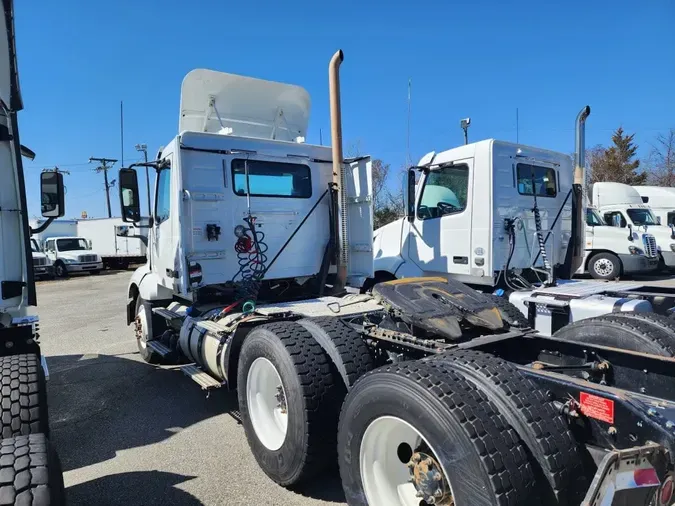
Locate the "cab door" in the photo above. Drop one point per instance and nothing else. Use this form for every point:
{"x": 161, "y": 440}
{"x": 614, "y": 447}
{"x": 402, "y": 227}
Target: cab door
{"x": 440, "y": 235}
{"x": 165, "y": 260}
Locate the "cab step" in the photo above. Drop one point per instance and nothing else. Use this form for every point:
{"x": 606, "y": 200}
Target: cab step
{"x": 159, "y": 348}
{"x": 167, "y": 314}
{"x": 204, "y": 380}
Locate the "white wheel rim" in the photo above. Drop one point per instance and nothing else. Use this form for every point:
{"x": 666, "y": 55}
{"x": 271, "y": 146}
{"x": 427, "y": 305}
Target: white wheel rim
{"x": 603, "y": 267}
{"x": 386, "y": 480}
{"x": 143, "y": 338}
{"x": 269, "y": 414}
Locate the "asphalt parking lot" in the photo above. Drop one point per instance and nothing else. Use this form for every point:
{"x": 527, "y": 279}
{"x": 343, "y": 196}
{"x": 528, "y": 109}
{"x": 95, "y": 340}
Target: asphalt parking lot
{"x": 134, "y": 434}
{"x": 130, "y": 433}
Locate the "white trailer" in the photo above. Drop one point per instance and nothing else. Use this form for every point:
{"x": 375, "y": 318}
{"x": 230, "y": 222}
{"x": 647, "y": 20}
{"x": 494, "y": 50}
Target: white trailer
{"x": 253, "y": 239}
{"x": 56, "y": 228}
{"x": 30, "y": 469}
{"x": 119, "y": 244}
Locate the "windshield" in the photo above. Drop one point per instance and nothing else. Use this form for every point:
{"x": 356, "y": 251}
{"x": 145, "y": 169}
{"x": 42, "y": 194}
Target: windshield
{"x": 642, "y": 217}
{"x": 594, "y": 219}
{"x": 71, "y": 244}
{"x": 34, "y": 246}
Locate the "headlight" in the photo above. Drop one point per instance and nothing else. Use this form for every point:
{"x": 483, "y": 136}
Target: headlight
{"x": 68, "y": 260}
{"x": 634, "y": 250}
{"x": 672, "y": 247}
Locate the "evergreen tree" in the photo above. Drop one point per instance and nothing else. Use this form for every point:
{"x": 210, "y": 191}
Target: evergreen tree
{"x": 618, "y": 162}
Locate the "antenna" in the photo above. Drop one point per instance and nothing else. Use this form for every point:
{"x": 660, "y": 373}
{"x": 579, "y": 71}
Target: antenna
{"x": 517, "y": 127}
{"x": 408, "y": 160}
{"x": 465, "y": 126}
{"x": 320, "y": 137}
{"x": 122, "y": 130}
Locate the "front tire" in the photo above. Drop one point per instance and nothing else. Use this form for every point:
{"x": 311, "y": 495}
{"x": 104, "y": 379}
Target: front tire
{"x": 604, "y": 266}
{"x": 401, "y": 420}
{"x": 288, "y": 402}
{"x": 60, "y": 270}
{"x": 143, "y": 332}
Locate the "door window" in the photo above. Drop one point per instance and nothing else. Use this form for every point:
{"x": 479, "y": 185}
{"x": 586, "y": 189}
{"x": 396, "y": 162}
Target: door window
{"x": 445, "y": 192}
{"x": 163, "y": 200}
{"x": 671, "y": 218}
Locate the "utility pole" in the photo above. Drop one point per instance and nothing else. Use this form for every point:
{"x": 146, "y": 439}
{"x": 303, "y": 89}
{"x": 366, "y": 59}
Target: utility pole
{"x": 104, "y": 167}
{"x": 144, "y": 148}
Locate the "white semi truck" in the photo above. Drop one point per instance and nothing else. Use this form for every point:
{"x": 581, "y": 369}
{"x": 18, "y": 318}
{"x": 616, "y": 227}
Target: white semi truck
{"x": 661, "y": 200}
{"x": 30, "y": 472}
{"x": 623, "y": 206}
{"x": 254, "y": 237}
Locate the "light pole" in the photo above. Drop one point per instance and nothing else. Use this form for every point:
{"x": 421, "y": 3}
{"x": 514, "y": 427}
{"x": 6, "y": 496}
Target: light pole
{"x": 144, "y": 148}
{"x": 465, "y": 126}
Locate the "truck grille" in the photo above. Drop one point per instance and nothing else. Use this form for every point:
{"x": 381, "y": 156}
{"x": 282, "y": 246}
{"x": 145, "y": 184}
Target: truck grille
{"x": 87, "y": 258}
{"x": 39, "y": 262}
{"x": 650, "y": 245}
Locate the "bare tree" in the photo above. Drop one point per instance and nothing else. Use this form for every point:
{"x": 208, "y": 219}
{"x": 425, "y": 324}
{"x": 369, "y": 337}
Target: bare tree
{"x": 661, "y": 161}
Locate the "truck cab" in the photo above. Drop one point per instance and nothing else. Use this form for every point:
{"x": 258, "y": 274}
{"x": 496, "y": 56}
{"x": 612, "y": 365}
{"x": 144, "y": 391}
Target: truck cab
{"x": 478, "y": 210}
{"x": 622, "y": 206}
{"x": 609, "y": 252}
{"x": 239, "y": 178}
{"x": 72, "y": 254}
{"x": 42, "y": 265}
{"x": 661, "y": 200}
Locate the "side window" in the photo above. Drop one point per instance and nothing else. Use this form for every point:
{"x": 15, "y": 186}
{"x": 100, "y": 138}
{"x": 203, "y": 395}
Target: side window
{"x": 671, "y": 218}
{"x": 609, "y": 218}
{"x": 163, "y": 199}
{"x": 50, "y": 245}
{"x": 445, "y": 192}
{"x": 534, "y": 179}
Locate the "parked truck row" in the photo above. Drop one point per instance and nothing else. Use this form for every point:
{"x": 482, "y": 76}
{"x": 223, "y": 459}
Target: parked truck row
{"x": 87, "y": 245}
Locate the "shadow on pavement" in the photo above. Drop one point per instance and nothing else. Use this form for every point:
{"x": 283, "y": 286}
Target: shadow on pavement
{"x": 101, "y": 404}
{"x": 143, "y": 488}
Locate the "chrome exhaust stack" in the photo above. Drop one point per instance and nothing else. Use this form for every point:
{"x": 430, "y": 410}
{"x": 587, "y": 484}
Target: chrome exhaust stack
{"x": 578, "y": 213}
{"x": 340, "y": 217}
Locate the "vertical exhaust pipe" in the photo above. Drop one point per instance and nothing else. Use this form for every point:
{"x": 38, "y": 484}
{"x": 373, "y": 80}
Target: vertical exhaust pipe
{"x": 578, "y": 218}
{"x": 340, "y": 217}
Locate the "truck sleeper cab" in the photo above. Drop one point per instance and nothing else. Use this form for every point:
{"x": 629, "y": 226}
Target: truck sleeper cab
{"x": 610, "y": 253}
{"x": 622, "y": 206}
{"x": 72, "y": 254}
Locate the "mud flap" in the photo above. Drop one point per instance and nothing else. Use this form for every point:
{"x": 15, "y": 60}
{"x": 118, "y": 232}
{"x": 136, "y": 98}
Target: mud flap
{"x": 628, "y": 477}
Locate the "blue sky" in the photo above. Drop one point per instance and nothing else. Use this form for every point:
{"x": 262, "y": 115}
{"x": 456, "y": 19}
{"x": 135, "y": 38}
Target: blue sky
{"x": 484, "y": 59}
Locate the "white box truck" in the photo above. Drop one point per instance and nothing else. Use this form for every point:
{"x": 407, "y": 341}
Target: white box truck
{"x": 253, "y": 239}
{"x": 119, "y": 244}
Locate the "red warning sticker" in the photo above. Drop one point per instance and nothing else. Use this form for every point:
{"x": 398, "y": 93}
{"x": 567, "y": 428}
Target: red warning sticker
{"x": 597, "y": 407}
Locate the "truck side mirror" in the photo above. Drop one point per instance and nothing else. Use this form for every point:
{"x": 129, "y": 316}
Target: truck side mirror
{"x": 52, "y": 194}
{"x": 630, "y": 232}
{"x": 410, "y": 196}
{"x": 129, "y": 197}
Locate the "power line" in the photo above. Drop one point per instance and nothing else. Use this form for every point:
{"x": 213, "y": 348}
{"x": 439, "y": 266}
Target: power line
{"x": 104, "y": 167}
